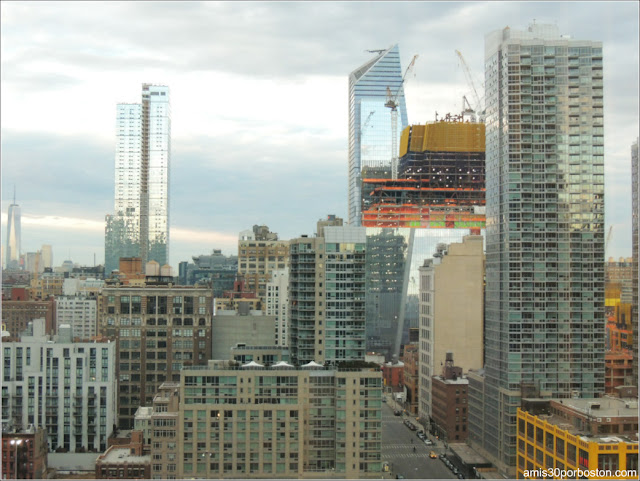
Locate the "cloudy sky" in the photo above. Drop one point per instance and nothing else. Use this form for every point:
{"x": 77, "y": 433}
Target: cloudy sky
{"x": 259, "y": 105}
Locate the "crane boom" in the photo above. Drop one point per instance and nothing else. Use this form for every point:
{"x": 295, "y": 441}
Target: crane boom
{"x": 467, "y": 74}
{"x": 393, "y": 105}
{"x": 606, "y": 243}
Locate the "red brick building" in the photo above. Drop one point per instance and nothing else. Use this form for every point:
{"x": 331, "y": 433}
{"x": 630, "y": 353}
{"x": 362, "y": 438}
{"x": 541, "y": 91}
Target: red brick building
{"x": 17, "y": 314}
{"x": 618, "y": 370}
{"x": 125, "y": 461}
{"x": 393, "y": 376}
{"x": 411, "y": 378}
{"x": 449, "y": 408}
{"x": 24, "y": 454}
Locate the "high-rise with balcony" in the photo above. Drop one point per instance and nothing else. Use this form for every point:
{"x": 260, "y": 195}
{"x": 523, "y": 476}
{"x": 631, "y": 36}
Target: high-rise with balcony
{"x": 544, "y": 317}
{"x": 226, "y": 421}
{"x": 139, "y": 226}
{"x": 327, "y": 294}
{"x": 370, "y": 130}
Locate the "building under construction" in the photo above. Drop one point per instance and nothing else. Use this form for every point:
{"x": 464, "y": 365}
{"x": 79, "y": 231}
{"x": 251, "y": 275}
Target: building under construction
{"x": 441, "y": 179}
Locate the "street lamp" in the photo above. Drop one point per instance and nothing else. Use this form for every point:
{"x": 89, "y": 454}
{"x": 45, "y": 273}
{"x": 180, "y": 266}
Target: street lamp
{"x": 16, "y": 443}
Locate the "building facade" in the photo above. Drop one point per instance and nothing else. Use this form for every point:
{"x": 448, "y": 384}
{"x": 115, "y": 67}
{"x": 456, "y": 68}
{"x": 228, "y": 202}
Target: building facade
{"x": 545, "y": 224}
{"x": 215, "y": 269}
{"x": 157, "y": 330}
{"x": 456, "y": 272}
{"x": 277, "y": 304}
{"x": 139, "y": 226}
{"x": 67, "y": 388}
{"x": 370, "y": 130}
{"x": 259, "y": 254}
{"x": 591, "y": 435}
{"x": 16, "y": 315}
{"x": 80, "y": 313}
{"x": 450, "y": 417}
{"x": 240, "y": 327}
{"x": 125, "y": 461}
{"x": 327, "y": 295}
{"x": 254, "y": 422}
{"x": 24, "y": 454}
{"x": 411, "y": 377}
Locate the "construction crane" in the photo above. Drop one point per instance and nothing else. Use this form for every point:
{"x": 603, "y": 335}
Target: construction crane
{"x": 466, "y": 110}
{"x": 606, "y": 243}
{"x": 393, "y": 105}
{"x": 467, "y": 74}
{"x": 364, "y": 125}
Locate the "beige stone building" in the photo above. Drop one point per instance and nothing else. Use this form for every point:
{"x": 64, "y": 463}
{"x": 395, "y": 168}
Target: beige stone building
{"x": 259, "y": 254}
{"x": 451, "y": 312}
{"x": 231, "y": 421}
{"x": 158, "y": 329}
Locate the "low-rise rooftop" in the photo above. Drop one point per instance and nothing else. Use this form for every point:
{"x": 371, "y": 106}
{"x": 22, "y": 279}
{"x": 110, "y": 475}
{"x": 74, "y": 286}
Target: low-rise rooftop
{"x": 115, "y": 455}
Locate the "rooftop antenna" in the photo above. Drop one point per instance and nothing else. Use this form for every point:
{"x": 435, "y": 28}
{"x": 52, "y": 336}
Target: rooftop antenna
{"x": 14, "y": 193}
{"x": 376, "y": 51}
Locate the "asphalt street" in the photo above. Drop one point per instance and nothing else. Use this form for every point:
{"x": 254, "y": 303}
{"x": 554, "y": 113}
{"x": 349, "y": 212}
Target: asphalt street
{"x": 398, "y": 442}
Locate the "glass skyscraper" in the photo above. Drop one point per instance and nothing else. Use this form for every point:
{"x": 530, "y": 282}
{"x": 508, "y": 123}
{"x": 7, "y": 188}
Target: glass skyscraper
{"x": 14, "y": 236}
{"x": 140, "y": 225}
{"x": 370, "y": 145}
{"x": 544, "y": 316}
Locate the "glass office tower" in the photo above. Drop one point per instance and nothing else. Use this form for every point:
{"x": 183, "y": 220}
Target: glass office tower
{"x": 14, "y": 236}
{"x": 140, "y": 225}
{"x": 544, "y": 317}
{"x": 370, "y": 151}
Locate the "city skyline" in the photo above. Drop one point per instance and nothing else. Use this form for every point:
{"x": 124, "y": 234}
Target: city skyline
{"x": 267, "y": 112}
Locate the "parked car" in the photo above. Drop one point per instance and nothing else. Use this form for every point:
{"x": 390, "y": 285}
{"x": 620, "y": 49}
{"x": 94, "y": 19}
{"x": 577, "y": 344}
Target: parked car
{"x": 460, "y": 476}
{"x": 421, "y": 435}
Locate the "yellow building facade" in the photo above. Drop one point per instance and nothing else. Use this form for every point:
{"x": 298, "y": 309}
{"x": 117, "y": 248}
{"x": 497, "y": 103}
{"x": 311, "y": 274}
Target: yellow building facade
{"x": 551, "y": 450}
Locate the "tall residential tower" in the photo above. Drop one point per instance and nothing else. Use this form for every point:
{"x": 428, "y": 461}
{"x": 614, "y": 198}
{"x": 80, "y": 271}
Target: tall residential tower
{"x": 370, "y": 145}
{"x": 139, "y": 226}
{"x": 544, "y": 317}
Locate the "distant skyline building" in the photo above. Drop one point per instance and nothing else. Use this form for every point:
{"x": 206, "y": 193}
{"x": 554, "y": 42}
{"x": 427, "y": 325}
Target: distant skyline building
{"x": 370, "y": 145}
{"x": 139, "y": 226}
{"x": 544, "y": 316}
{"x": 14, "y": 236}
{"x": 46, "y": 256}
